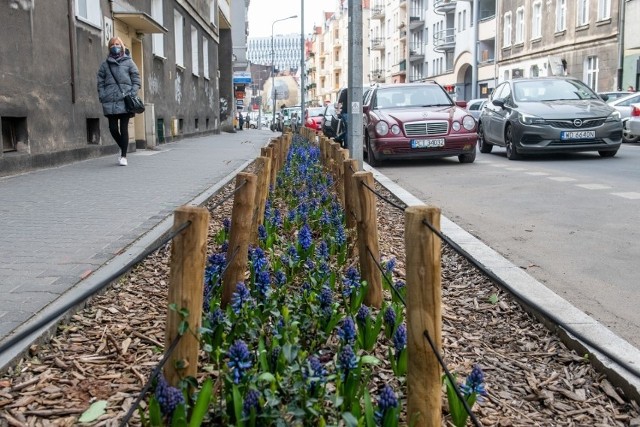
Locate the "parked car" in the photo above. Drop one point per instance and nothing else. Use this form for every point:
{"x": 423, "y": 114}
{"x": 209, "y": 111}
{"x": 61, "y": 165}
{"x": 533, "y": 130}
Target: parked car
{"x": 633, "y": 124}
{"x": 326, "y": 125}
{"x": 613, "y": 95}
{"x": 416, "y": 120}
{"x": 313, "y": 118}
{"x": 624, "y": 105}
{"x": 474, "y": 107}
{"x": 548, "y": 114}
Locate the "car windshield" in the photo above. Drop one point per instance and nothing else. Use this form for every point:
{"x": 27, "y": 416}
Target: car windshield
{"x": 551, "y": 90}
{"x": 412, "y": 96}
{"x": 315, "y": 111}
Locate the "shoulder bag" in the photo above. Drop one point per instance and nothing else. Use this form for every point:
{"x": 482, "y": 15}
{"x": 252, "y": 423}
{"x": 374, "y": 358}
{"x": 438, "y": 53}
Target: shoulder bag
{"x": 132, "y": 103}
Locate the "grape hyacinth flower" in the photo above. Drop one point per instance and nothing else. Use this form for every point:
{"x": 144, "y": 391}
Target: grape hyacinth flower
{"x": 347, "y": 331}
{"x": 167, "y": 396}
{"x": 281, "y": 278}
{"x": 389, "y": 317}
{"x": 304, "y": 237}
{"x": 363, "y": 314}
{"x": 239, "y": 360}
{"x": 226, "y": 225}
{"x": 341, "y": 237}
{"x": 322, "y": 251}
{"x": 400, "y": 339}
{"x": 326, "y": 301}
{"x": 474, "y": 383}
{"x": 240, "y": 297}
{"x": 258, "y": 259}
{"x": 251, "y": 401}
{"x": 263, "y": 283}
{"x": 389, "y": 266}
{"x": 351, "y": 281}
{"x": 216, "y": 317}
{"x": 347, "y": 361}
{"x": 387, "y": 400}
{"x": 262, "y": 233}
{"x": 314, "y": 372}
{"x": 291, "y": 216}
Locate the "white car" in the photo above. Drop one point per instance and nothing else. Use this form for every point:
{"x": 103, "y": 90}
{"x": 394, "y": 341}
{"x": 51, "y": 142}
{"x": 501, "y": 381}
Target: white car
{"x": 633, "y": 124}
{"x": 624, "y": 105}
{"x": 474, "y": 107}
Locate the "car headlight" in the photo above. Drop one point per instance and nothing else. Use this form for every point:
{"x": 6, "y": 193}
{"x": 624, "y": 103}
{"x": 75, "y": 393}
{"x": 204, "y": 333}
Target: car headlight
{"x": 614, "y": 117}
{"x": 395, "y": 129}
{"x": 468, "y": 123}
{"x": 382, "y": 128}
{"x": 455, "y": 126}
{"x": 528, "y": 119}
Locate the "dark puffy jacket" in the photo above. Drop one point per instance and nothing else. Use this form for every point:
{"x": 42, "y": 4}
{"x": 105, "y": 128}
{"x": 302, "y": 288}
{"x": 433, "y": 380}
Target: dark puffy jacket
{"x": 110, "y": 95}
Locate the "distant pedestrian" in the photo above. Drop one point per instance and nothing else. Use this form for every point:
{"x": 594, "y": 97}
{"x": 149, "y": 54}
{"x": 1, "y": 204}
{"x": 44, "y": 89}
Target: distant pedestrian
{"x": 118, "y": 76}
{"x": 631, "y": 89}
{"x": 294, "y": 122}
{"x": 240, "y": 121}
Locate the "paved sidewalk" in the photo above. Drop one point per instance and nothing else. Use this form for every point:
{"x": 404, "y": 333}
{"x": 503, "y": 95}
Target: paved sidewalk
{"x": 60, "y": 225}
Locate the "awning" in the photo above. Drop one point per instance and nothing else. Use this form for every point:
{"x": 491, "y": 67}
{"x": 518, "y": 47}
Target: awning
{"x": 140, "y": 22}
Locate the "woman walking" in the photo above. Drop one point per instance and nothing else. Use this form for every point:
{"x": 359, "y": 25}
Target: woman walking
{"x": 118, "y": 76}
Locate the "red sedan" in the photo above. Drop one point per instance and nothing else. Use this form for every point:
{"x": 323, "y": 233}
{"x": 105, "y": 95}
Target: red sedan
{"x": 416, "y": 120}
{"x": 313, "y": 118}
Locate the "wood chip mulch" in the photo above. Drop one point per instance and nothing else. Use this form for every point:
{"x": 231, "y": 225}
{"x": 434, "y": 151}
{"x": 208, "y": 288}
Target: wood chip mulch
{"x": 108, "y": 349}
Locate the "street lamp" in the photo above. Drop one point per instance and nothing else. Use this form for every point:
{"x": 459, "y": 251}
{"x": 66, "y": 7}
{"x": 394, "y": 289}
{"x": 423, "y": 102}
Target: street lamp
{"x": 273, "y": 75}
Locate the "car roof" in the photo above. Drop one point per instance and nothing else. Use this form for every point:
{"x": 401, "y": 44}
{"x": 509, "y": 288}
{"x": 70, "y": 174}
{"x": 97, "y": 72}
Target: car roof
{"x": 386, "y": 85}
{"x": 620, "y": 99}
{"x": 549, "y": 78}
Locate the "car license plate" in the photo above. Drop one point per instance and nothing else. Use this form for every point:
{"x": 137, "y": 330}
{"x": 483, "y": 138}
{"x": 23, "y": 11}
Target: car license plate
{"x": 427, "y": 143}
{"x": 581, "y": 134}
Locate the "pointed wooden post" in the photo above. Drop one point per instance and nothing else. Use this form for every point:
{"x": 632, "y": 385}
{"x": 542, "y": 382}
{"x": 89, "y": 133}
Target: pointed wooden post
{"x": 424, "y": 313}
{"x": 263, "y": 165}
{"x": 186, "y": 291}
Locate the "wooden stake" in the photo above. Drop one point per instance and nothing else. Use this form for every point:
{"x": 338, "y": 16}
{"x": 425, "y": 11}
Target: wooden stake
{"x": 263, "y": 165}
{"x": 367, "y": 227}
{"x": 424, "y": 311}
{"x": 243, "y": 207}
{"x": 186, "y": 291}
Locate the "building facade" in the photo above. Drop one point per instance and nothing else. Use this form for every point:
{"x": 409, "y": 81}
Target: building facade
{"x": 49, "y": 109}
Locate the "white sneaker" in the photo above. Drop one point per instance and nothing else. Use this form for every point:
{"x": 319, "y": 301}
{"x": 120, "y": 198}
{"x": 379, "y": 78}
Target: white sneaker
{"x": 123, "y": 161}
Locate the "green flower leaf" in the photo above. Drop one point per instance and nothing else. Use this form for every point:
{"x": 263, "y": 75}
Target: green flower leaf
{"x": 95, "y": 411}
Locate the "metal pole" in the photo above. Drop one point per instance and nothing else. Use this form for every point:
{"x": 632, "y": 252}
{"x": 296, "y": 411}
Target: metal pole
{"x": 302, "y": 89}
{"x": 273, "y": 76}
{"x": 354, "y": 82}
{"x": 474, "y": 64}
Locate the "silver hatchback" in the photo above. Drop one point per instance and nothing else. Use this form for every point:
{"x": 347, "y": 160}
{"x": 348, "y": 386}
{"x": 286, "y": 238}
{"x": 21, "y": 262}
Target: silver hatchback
{"x": 548, "y": 114}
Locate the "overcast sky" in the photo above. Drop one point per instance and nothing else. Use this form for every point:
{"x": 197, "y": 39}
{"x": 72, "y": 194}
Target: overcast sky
{"x": 262, "y": 14}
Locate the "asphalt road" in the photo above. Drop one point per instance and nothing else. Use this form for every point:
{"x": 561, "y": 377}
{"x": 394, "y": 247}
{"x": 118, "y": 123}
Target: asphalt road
{"x": 571, "y": 221}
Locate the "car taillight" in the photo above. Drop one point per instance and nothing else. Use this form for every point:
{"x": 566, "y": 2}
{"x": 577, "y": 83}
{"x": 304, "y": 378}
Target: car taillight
{"x": 635, "y": 111}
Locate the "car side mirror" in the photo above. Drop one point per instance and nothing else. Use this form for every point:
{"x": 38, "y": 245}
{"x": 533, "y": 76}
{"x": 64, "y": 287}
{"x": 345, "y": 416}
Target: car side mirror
{"x": 498, "y": 102}
{"x": 461, "y": 104}
{"x": 365, "y": 109}
{"x": 604, "y": 97}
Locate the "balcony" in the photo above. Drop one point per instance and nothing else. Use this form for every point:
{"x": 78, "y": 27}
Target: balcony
{"x": 402, "y": 34}
{"x": 416, "y": 52}
{"x": 399, "y": 69}
{"x": 377, "y": 75}
{"x": 444, "y": 6}
{"x": 416, "y": 20}
{"x": 445, "y": 40}
{"x": 377, "y": 43}
{"x": 377, "y": 11}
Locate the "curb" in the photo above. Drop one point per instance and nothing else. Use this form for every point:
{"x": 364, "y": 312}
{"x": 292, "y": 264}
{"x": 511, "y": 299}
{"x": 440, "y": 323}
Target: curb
{"x": 530, "y": 289}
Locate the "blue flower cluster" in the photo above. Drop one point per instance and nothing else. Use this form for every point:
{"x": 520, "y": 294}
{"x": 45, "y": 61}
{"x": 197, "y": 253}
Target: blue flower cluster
{"x": 350, "y": 281}
{"x": 251, "y": 401}
{"x": 363, "y": 314}
{"x": 239, "y": 360}
{"x": 304, "y": 237}
{"x": 387, "y": 399}
{"x": 326, "y": 302}
{"x": 314, "y": 372}
{"x": 168, "y": 397}
{"x": 347, "y": 331}
{"x": 474, "y": 383}
{"x": 347, "y": 361}
{"x": 389, "y": 317}
{"x": 240, "y": 297}
{"x": 400, "y": 339}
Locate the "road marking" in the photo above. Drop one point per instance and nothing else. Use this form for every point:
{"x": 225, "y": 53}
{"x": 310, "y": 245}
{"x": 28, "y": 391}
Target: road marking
{"x": 516, "y": 169}
{"x": 498, "y": 165}
{"x": 630, "y": 195}
{"x": 538, "y": 173}
{"x": 149, "y": 152}
{"x": 562, "y": 178}
{"x": 593, "y": 186}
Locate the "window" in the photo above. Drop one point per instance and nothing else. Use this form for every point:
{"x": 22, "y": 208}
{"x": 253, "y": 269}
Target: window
{"x": 195, "y": 65}
{"x": 157, "y": 40}
{"x": 213, "y": 13}
{"x": 591, "y": 72}
{"x": 205, "y": 58}
{"x": 178, "y": 27}
{"x": 604, "y": 9}
{"x": 583, "y": 12}
{"x": 561, "y": 15}
{"x": 519, "y": 25}
{"x": 506, "y": 30}
{"x": 89, "y": 11}
{"x": 536, "y": 21}
{"x": 464, "y": 20}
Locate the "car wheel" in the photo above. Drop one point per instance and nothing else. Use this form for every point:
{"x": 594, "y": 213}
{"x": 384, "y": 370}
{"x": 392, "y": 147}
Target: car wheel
{"x": 467, "y": 157}
{"x": 371, "y": 157}
{"x": 610, "y": 153}
{"x": 626, "y": 135}
{"x": 512, "y": 151}
{"x": 483, "y": 145}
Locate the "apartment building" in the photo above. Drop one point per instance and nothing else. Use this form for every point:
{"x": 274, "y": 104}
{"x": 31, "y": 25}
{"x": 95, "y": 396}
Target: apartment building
{"x": 49, "y": 109}
{"x": 630, "y": 48}
{"x": 577, "y": 38}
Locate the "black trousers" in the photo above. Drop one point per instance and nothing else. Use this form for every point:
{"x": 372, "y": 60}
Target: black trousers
{"x": 119, "y": 128}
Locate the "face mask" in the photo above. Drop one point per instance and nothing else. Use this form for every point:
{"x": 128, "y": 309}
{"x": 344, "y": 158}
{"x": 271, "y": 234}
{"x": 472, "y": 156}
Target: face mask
{"x": 115, "y": 49}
